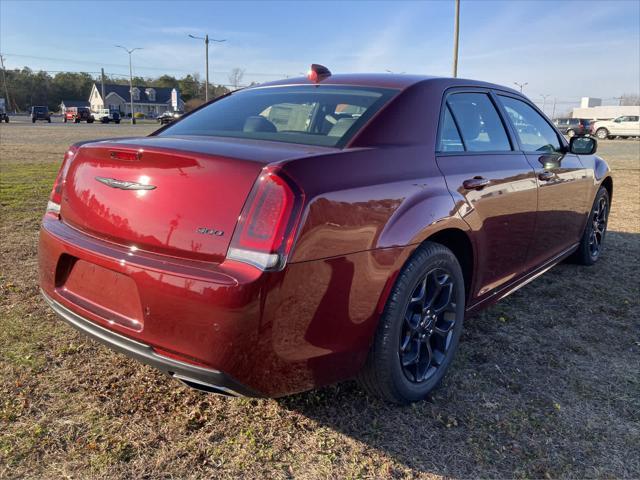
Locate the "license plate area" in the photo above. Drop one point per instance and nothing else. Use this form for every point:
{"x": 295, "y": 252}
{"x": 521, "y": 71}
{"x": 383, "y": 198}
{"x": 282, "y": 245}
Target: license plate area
{"x": 110, "y": 295}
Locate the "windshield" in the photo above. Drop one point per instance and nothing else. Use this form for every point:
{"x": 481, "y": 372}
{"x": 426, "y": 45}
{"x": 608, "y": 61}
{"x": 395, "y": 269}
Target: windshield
{"x": 312, "y": 115}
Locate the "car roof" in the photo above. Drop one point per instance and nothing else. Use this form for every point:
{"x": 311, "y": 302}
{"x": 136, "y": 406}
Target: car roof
{"x": 385, "y": 80}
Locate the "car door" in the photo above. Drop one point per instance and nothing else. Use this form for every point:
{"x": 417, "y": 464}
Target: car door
{"x": 630, "y": 125}
{"x": 492, "y": 183}
{"x": 617, "y": 126}
{"x": 563, "y": 183}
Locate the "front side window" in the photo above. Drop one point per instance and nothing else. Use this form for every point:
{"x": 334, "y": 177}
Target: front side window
{"x": 324, "y": 115}
{"x": 479, "y": 122}
{"x": 533, "y": 131}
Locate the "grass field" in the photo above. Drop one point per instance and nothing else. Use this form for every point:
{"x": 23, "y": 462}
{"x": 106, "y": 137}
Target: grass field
{"x": 546, "y": 383}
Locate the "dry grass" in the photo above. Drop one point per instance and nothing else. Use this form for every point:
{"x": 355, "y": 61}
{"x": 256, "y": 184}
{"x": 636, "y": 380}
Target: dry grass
{"x": 547, "y": 383}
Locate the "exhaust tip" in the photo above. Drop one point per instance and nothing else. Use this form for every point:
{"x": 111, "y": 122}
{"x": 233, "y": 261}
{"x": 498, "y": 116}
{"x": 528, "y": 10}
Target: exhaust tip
{"x": 206, "y": 387}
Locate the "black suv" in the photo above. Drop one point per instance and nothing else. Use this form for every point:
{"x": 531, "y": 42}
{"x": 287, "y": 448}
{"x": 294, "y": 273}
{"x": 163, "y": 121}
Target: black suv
{"x": 572, "y": 126}
{"x": 40, "y": 113}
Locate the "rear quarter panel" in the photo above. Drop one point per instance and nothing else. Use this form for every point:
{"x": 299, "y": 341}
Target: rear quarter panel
{"x": 368, "y": 199}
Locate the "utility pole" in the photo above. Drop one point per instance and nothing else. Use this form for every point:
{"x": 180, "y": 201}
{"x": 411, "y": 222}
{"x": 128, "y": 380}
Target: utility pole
{"x": 4, "y": 80}
{"x": 206, "y": 61}
{"x": 456, "y": 37}
{"x": 133, "y": 120}
{"x": 553, "y": 112}
{"x": 102, "y": 86}
{"x": 521, "y": 85}
{"x": 544, "y": 100}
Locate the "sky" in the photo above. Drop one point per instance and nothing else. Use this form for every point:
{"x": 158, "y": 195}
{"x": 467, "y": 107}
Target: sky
{"x": 563, "y": 49}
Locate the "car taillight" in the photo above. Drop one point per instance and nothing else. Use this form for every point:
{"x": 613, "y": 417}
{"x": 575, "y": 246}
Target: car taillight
{"x": 55, "y": 199}
{"x": 267, "y": 225}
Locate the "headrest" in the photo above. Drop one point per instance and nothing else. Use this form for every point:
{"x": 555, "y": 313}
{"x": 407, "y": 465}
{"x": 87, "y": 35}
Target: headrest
{"x": 258, "y": 123}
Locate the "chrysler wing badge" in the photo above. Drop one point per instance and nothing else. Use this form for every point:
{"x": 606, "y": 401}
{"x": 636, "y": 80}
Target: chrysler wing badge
{"x": 124, "y": 184}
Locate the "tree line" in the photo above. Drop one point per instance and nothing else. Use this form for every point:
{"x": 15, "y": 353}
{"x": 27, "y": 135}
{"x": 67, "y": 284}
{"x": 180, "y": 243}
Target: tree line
{"x": 27, "y": 87}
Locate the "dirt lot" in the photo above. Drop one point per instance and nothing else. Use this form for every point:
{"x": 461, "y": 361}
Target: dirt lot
{"x": 546, "y": 383}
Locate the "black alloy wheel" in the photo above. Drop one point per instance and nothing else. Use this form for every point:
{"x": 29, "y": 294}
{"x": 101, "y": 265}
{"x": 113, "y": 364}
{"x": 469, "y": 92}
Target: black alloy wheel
{"x": 598, "y": 225}
{"x": 419, "y": 330}
{"x": 428, "y": 326}
{"x": 592, "y": 242}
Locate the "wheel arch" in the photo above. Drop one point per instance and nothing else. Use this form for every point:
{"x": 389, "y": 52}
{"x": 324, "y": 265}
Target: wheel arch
{"x": 456, "y": 240}
{"x": 608, "y": 184}
{"x": 460, "y": 244}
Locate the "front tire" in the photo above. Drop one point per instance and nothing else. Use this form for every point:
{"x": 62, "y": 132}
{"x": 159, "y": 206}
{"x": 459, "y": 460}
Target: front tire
{"x": 419, "y": 331}
{"x": 592, "y": 241}
{"x": 602, "y": 133}
{"x": 571, "y": 133}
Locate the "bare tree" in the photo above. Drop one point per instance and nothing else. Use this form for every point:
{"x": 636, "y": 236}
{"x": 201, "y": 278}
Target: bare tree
{"x": 629, "y": 99}
{"x": 235, "y": 77}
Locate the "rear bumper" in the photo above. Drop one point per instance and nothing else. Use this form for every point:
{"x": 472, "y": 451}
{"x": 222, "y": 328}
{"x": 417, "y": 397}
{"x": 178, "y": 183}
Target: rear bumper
{"x": 197, "y": 377}
{"x": 225, "y": 328}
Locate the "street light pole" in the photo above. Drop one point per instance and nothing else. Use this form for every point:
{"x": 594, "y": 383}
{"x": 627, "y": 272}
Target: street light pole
{"x": 521, "y": 85}
{"x": 130, "y": 51}
{"x": 456, "y": 36}
{"x": 544, "y": 100}
{"x": 206, "y": 61}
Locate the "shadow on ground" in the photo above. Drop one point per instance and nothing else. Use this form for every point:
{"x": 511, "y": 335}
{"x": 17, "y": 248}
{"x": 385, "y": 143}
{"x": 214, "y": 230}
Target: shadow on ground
{"x": 546, "y": 383}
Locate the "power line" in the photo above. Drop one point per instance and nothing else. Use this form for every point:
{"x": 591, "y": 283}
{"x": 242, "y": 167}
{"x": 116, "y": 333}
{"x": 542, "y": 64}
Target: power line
{"x": 159, "y": 69}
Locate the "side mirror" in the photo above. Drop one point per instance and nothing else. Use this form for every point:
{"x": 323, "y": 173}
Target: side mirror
{"x": 583, "y": 145}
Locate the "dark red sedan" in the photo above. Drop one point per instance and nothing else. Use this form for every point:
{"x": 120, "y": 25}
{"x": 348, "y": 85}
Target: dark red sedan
{"x": 306, "y": 231}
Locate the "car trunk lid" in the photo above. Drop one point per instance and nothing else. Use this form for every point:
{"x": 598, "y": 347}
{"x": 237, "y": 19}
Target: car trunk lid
{"x": 175, "y": 196}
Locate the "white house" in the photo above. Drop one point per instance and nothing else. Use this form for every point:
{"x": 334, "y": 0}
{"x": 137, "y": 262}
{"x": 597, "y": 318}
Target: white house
{"x": 150, "y": 101}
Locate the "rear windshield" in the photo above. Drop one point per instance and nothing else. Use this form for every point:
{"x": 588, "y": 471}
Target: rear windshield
{"x": 40, "y": 109}
{"x": 323, "y": 115}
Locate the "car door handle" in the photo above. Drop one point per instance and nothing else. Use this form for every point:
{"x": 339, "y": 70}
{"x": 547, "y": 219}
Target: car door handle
{"x": 546, "y": 176}
{"x": 476, "y": 183}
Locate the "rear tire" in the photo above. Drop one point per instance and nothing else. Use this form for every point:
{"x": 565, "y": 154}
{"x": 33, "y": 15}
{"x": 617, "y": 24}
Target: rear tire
{"x": 571, "y": 133}
{"x": 592, "y": 241}
{"x": 420, "y": 328}
{"x": 48, "y": 120}
{"x": 33, "y": 120}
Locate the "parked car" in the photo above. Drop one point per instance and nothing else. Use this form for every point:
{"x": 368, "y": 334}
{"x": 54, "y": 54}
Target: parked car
{"x": 104, "y": 115}
{"x": 623, "y": 127}
{"x": 306, "y": 231}
{"x": 572, "y": 126}
{"x": 40, "y": 113}
{"x": 4, "y": 116}
{"x": 78, "y": 114}
{"x": 168, "y": 117}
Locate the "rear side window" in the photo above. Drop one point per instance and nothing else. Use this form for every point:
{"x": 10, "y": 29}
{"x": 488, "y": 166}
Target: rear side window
{"x": 312, "y": 115}
{"x": 450, "y": 140}
{"x": 479, "y": 123}
{"x": 533, "y": 131}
